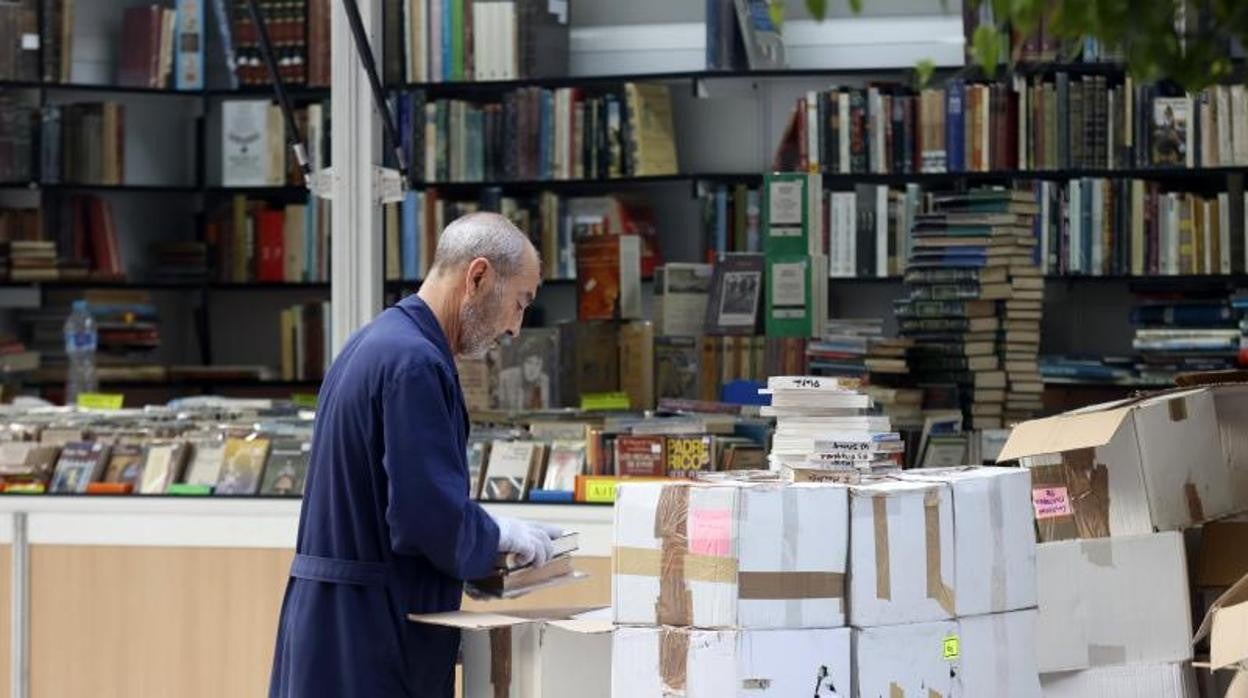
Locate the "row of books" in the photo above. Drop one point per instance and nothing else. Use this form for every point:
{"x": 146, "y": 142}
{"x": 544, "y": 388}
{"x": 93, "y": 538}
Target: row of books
{"x": 254, "y": 241}
{"x": 1099, "y": 227}
{"x": 474, "y": 40}
{"x": 731, "y": 219}
{"x": 555, "y": 224}
{"x": 305, "y": 341}
{"x": 298, "y": 29}
{"x": 868, "y": 229}
{"x": 539, "y": 134}
{"x": 151, "y": 452}
{"x": 254, "y": 151}
{"x": 1026, "y": 123}
{"x": 82, "y": 143}
{"x": 551, "y": 458}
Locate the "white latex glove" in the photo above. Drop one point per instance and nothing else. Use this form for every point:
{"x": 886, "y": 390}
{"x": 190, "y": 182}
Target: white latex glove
{"x": 529, "y": 540}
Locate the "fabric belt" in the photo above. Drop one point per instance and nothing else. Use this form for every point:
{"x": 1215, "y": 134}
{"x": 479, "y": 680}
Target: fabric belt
{"x": 334, "y": 570}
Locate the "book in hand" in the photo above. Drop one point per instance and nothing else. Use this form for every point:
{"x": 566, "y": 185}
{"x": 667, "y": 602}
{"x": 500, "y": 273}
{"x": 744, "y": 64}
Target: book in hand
{"x": 562, "y": 546}
{"x": 506, "y": 584}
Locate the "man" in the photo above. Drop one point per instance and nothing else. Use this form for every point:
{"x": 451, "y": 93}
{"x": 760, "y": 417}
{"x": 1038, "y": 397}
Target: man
{"x": 387, "y": 527}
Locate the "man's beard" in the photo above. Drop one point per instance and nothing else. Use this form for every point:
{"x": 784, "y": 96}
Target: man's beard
{"x": 478, "y": 322}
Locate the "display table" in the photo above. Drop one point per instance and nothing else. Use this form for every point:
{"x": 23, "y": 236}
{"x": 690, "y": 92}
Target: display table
{"x": 138, "y": 596}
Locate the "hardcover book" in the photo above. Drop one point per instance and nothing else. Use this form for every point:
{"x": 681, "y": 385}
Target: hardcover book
{"x": 528, "y": 372}
{"x": 207, "y": 457}
{"x": 287, "y": 469}
{"x": 608, "y": 273}
{"x": 243, "y": 465}
{"x": 162, "y": 466}
{"x": 81, "y": 463}
{"x": 688, "y": 455}
{"x": 125, "y": 465}
{"x": 510, "y": 471}
{"x": 676, "y": 368}
{"x": 736, "y": 294}
{"x": 642, "y": 456}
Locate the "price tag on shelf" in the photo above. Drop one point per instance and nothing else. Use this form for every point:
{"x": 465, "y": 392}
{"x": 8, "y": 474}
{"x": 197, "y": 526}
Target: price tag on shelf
{"x": 101, "y": 401}
{"x": 605, "y": 401}
{"x": 600, "y": 491}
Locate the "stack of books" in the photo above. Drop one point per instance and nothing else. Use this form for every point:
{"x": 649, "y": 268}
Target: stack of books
{"x": 510, "y": 579}
{"x": 974, "y": 303}
{"x": 1182, "y": 337}
{"x": 32, "y": 260}
{"x": 823, "y": 431}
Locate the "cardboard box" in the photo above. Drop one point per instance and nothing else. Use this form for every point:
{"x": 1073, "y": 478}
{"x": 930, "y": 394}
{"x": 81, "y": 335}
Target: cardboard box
{"x": 661, "y": 662}
{"x": 1223, "y": 554}
{"x": 901, "y": 567}
{"x": 538, "y": 655}
{"x": 1164, "y": 462}
{"x": 916, "y": 659}
{"x": 1174, "y": 680}
{"x": 1226, "y": 626}
{"x": 994, "y": 540}
{"x": 730, "y": 554}
{"x": 998, "y": 655}
{"x": 1112, "y": 601}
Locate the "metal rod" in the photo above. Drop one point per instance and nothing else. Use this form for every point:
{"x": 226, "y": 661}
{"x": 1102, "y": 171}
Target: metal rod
{"x": 293, "y": 137}
{"x": 379, "y": 97}
{"x": 19, "y": 610}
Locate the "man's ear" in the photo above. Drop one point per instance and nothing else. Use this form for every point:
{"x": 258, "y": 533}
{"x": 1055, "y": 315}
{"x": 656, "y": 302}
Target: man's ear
{"x": 478, "y": 269}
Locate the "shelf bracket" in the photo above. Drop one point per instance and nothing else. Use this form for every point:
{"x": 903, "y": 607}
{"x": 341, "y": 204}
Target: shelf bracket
{"x": 389, "y": 185}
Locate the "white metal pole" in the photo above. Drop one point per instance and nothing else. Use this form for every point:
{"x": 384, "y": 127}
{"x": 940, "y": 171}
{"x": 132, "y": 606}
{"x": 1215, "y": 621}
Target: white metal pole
{"x": 356, "y": 255}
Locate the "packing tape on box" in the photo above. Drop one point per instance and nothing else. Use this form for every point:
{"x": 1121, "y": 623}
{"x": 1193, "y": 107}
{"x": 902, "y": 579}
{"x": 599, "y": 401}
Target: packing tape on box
{"x": 883, "y": 582}
{"x": 1195, "y": 508}
{"x": 671, "y": 527}
{"x": 996, "y": 522}
{"x": 500, "y": 661}
{"x": 937, "y": 590}
{"x": 1178, "y": 409}
{"x": 1001, "y": 640}
{"x": 895, "y": 691}
{"x": 647, "y": 562}
{"x": 673, "y": 660}
{"x": 1107, "y": 655}
{"x": 788, "y": 552}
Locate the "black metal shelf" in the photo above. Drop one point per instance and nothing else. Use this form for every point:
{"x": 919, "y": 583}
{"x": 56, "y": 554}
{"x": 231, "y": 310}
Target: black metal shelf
{"x": 98, "y": 87}
{"x": 295, "y": 92}
{"x": 184, "y": 384}
{"x": 171, "y": 285}
{"x": 87, "y": 187}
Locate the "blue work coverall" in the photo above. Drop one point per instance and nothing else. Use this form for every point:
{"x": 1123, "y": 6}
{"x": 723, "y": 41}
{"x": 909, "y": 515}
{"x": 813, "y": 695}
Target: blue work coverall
{"x": 387, "y": 527}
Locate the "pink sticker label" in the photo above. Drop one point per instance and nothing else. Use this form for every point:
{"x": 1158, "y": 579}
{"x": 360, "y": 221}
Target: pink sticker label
{"x": 710, "y": 531}
{"x": 1051, "y": 502}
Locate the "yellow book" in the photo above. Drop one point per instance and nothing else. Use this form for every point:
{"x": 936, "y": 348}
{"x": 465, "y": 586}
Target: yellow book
{"x": 651, "y": 138}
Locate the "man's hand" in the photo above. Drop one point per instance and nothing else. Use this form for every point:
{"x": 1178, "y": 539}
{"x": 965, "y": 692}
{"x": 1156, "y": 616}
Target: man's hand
{"x": 529, "y": 540}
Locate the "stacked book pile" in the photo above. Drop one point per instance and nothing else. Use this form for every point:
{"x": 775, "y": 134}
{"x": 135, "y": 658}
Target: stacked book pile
{"x": 181, "y": 261}
{"x": 1183, "y": 337}
{"x": 974, "y": 303}
{"x": 31, "y": 260}
{"x": 823, "y": 431}
{"x": 510, "y": 579}
{"x": 858, "y": 348}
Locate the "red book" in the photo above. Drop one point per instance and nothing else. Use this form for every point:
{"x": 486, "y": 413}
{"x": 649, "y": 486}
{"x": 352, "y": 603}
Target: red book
{"x": 643, "y": 456}
{"x": 270, "y": 251}
{"x": 140, "y": 41}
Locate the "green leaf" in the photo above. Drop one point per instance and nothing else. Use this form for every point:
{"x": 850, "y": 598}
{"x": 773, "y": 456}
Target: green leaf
{"x": 856, "y": 6}
{"x": 776, "y": 11}
{"x": 924, "y": 70}
{"x": 817, "y": 8}
{"x": 986, "y": 48}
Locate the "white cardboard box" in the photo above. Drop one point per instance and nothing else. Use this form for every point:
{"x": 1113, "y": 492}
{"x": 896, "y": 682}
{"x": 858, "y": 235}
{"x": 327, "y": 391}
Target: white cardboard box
{"x": 998, "y": 655}
{"x": 1112, "y": 601}
{"x": 994, "y": 539}
{"x": 730, "y": 554}
{"x": 662, "y": 662}
{"x": 1174, "y": 680}
{"x": 916, "y": 659}
{"x": 1165, "y": 462}
{"x": 530, "y": 657}
{"x": 901, "y": 566}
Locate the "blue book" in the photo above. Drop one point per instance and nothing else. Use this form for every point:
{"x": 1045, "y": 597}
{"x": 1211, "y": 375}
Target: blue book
{"x": 721, "y": 220}
{"x": 551, "y": 496}
{"x": 955, "y": 126}
{"x": 409, "y": 242}
{"x": 188, "y": 39}
{"x": 448, "y": 23}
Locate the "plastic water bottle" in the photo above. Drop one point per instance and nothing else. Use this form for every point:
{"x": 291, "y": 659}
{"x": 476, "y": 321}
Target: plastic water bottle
{"x": 80, "y": 343}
